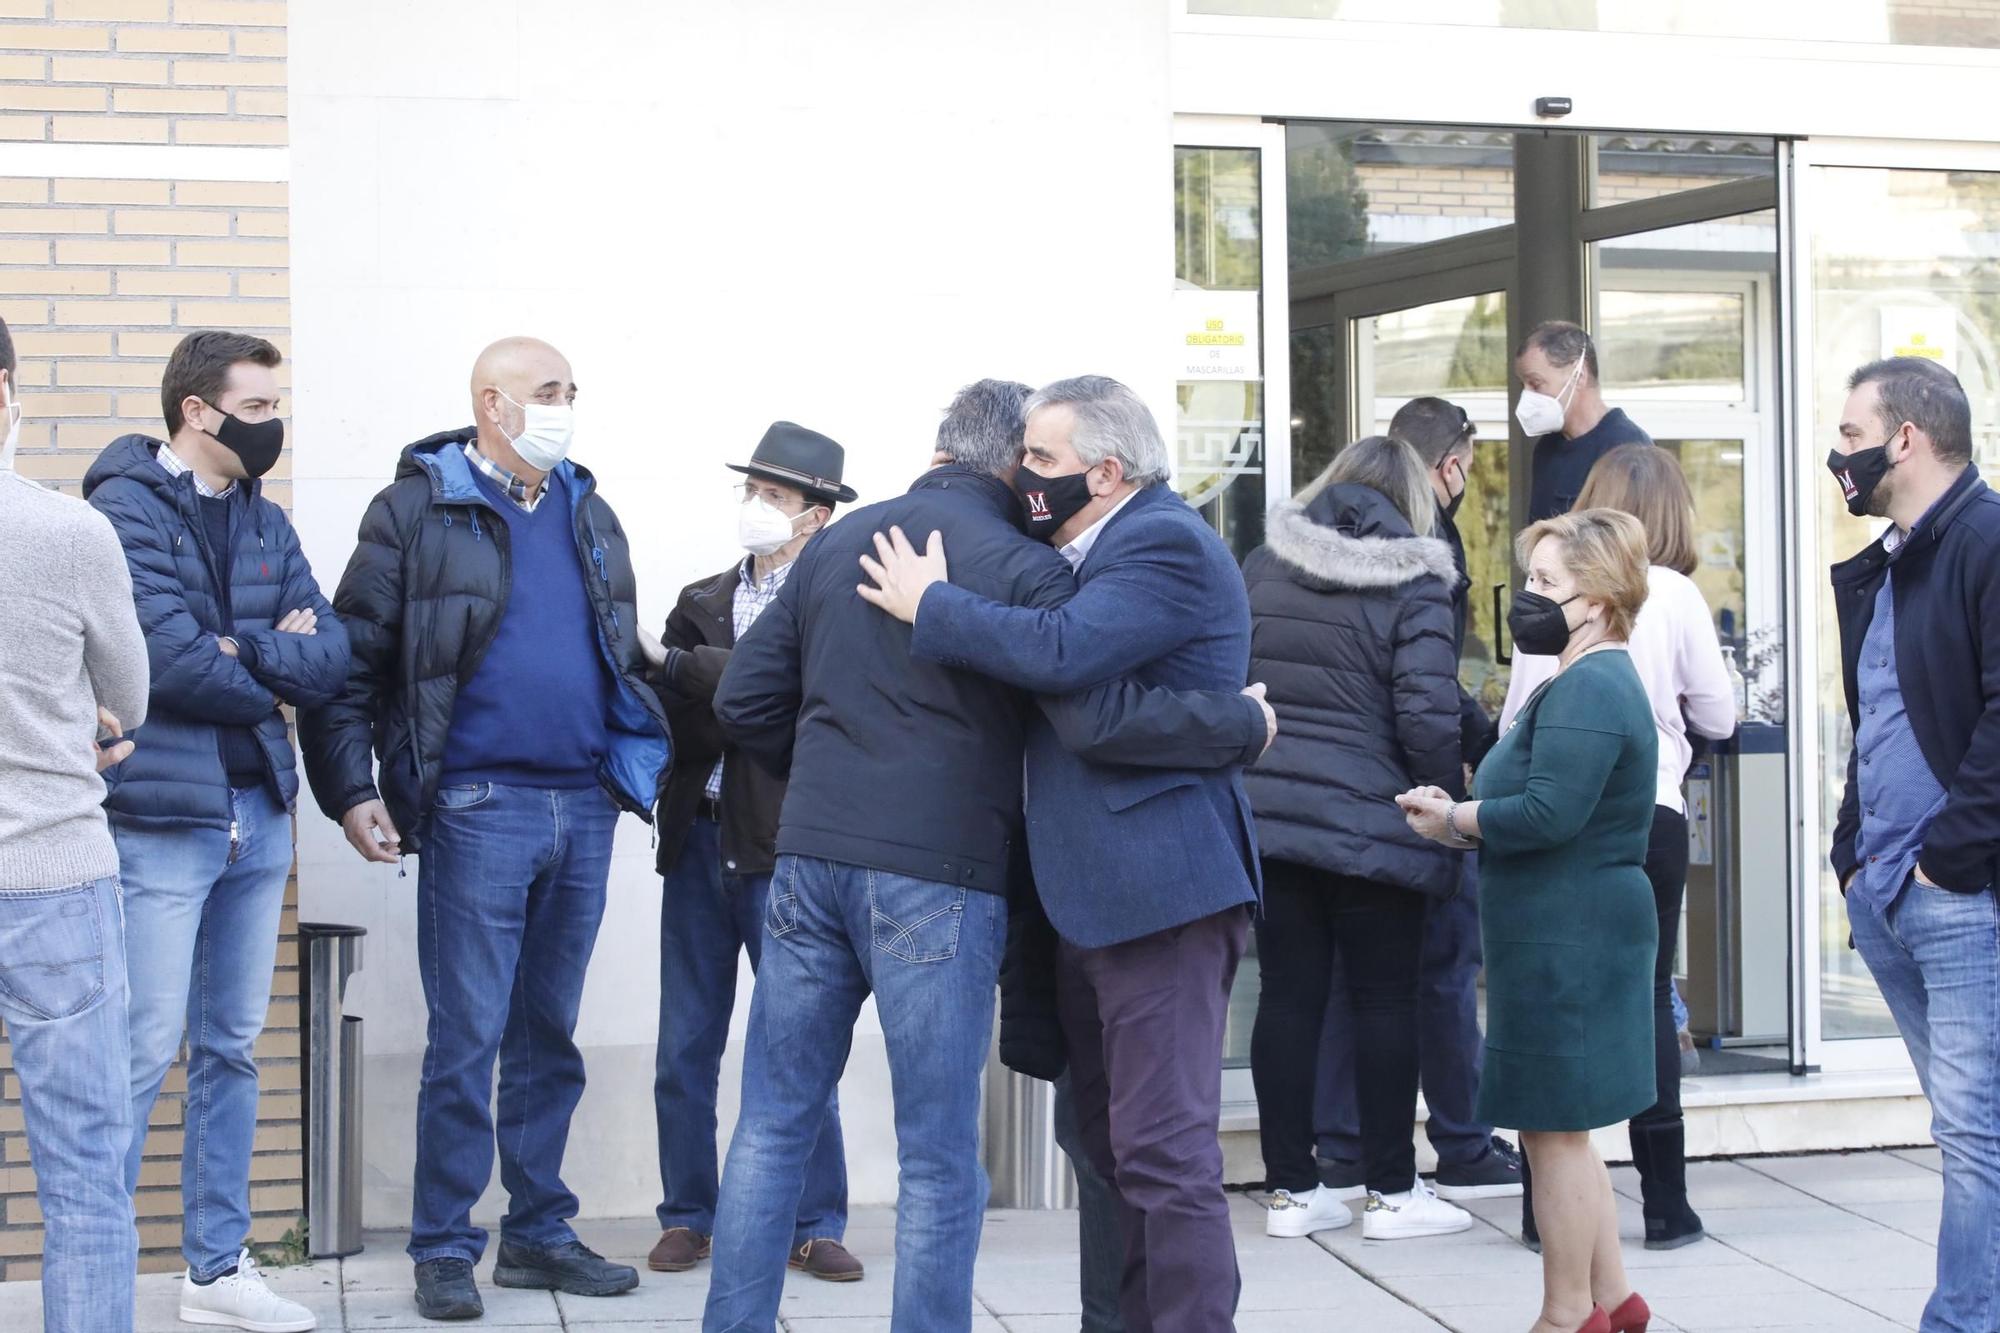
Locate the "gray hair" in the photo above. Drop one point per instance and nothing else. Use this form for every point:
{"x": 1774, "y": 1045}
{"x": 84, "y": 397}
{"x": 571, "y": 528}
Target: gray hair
{"x": 1925, "y": 394}
{"x": 1388, "y": 465}
{"x": 1111, "y": 422}
{"x": 1562, "y": 343}
{"x": 982, "y": 428}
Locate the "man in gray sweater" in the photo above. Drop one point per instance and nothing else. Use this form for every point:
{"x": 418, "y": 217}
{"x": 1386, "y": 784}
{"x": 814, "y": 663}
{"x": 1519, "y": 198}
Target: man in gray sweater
{"x": 72, "y": 663}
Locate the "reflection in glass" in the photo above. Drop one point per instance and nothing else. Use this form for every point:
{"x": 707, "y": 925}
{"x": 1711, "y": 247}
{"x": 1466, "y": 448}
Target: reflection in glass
{"x": 1687, "y": 343}
{"x": 1898, "y": 22}
{"x": 1645, "y": 166}
{"x": 1355, "y": 190}
{"x": 1714, "y": 471}
{"x": 1906, "y": 262}
{"x": 1218, "y": 251}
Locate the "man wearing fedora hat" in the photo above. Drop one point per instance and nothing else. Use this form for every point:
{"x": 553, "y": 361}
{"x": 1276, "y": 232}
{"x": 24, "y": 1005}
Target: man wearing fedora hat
{"x": 718, "y": 825}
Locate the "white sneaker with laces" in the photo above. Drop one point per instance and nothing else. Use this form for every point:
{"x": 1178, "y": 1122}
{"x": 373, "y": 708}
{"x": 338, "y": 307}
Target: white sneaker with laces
{"x": 241, "y": 1300}
{"x": 1291, "y": 1215}
{"x": 1416, "y": 1212}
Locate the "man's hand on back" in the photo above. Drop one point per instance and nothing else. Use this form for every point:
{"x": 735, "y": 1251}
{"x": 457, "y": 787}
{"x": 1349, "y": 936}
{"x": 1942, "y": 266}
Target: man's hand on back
{"x": 901, "y": 575}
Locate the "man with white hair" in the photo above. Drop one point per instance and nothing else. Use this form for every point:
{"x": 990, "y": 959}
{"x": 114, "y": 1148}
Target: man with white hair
{"x": 1148, "y": 873}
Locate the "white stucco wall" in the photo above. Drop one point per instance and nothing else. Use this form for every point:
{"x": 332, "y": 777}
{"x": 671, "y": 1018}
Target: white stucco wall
{"x": 724, "y": 213}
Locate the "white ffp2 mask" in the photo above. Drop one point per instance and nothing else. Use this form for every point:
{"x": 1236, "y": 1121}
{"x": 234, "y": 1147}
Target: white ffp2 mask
{"x": 1538, "y": 413}
{"x": 763, "y": 528}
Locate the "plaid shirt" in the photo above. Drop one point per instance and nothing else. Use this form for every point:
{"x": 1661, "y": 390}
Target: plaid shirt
{"x": 752, "y": 596}
{"x": 516, "y": 489}
{"x": 173, "y": 465}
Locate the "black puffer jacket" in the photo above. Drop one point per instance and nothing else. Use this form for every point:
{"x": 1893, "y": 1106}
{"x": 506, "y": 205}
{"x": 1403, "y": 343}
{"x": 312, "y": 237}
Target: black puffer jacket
{"x": 1352, "y": 632}
{"x": 422, "y": 599}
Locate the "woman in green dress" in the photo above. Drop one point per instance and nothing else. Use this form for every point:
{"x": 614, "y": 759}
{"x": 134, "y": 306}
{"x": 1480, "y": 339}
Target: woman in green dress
{"x": 1562, "y": 820}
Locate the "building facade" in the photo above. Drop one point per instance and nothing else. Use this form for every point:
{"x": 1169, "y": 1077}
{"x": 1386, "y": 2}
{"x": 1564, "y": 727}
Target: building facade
{"x": 836, "y": 214}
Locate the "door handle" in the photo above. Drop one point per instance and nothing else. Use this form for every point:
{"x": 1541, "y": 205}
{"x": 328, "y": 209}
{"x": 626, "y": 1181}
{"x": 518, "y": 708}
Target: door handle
{"x": 1499, "y": 623}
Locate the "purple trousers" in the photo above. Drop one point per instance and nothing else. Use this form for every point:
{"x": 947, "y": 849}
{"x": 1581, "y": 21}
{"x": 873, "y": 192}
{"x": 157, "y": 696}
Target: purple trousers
{"x": 1143, "y": 1021}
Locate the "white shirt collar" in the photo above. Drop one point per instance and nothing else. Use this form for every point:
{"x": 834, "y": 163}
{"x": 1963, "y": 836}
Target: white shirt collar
{"x": 1079, "y": 550}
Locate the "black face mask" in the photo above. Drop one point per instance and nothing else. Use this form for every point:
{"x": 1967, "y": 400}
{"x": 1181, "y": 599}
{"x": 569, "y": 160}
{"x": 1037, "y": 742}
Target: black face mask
{"x": 1538, "y": 624}
{"x": 1050, "y": 502}
{"x": 255, "y": 446}
{"x": 1859, "y": 473}
{"x": 1464, "y": 484}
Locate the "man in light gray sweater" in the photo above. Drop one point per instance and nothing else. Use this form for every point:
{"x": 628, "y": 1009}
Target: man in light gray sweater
{"x": 72, "y": 661}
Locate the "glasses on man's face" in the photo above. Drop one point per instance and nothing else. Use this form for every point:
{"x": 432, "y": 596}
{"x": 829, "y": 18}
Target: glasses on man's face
{"x": 777, "y": 499}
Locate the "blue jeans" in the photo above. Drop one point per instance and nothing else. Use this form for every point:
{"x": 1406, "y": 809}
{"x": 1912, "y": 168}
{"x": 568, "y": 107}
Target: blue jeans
{"x": 707, "y": 916}
{"x": 930, "y": 953}
{"x": 510, "y": 891}
{"x": 201, "y": 917}
{"x": 62, "y": 993}
{"x": 1936, "y": 956}
{"x": 1450, "y": 1045}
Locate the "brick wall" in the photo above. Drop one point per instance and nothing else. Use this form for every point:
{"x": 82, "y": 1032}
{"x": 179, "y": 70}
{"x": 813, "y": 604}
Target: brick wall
{"x": 98, "y": 280}
{"x": 1488, "y": 192}
{"x": 143, "y": 71}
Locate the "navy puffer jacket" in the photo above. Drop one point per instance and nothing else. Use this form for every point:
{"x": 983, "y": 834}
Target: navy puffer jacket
{"x": 176, "y": 777}
{"x": 1351, "y": 631}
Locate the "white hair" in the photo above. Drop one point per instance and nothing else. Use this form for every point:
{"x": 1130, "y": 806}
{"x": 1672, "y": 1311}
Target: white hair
{"x": 1111, "y": 422}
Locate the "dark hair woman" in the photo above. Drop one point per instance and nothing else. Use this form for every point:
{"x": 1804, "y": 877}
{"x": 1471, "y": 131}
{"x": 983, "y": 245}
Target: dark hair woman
{"x": 1350, "y": 601}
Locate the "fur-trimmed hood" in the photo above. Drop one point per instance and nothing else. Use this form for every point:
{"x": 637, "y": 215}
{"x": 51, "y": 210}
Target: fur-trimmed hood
{"x": 1352, "y": 537}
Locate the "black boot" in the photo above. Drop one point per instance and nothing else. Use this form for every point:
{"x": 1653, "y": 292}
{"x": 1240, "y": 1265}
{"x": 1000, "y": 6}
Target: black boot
{"x": 1659, "y": 1151}
{"x": 1530, "y": 1237}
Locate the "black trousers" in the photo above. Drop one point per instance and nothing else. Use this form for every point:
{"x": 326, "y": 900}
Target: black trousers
{"x": 1377, "y": 931}
{"x": 1666, "y": 867}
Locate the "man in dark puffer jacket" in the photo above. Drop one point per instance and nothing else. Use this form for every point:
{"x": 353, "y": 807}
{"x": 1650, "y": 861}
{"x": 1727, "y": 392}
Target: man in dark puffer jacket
{"x": 235, "y": 626}
{"x": 498, "y": 674}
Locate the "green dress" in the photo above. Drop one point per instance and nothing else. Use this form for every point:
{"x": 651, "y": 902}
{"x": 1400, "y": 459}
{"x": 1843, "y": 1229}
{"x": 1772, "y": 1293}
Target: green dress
{"x": 1565, "y": 814}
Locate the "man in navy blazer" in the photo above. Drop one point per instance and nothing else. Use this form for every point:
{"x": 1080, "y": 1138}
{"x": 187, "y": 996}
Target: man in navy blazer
{"x": 1149, "y": 874}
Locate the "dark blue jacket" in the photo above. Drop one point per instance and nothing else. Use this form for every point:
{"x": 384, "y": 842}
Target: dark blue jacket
{"x": 1946, "y": 581}
{"x": 1122, "y": 851}
{"x": 423, "y": 595}
{"x": 176, "y": 777}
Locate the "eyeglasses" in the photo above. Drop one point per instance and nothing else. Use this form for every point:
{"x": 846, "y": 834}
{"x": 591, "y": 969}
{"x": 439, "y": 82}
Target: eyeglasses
{"x": 771, "y": 495}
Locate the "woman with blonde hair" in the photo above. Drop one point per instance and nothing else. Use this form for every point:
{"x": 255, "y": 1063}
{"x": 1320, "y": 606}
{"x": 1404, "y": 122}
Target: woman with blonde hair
{"x": 1561, "y": 812}
{"x": 1351, "y": 631}
{"x": 1679, "y": 661}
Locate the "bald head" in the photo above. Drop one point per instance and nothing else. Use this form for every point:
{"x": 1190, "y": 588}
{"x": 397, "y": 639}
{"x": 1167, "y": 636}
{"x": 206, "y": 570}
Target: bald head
{"x": 526, "y": 370}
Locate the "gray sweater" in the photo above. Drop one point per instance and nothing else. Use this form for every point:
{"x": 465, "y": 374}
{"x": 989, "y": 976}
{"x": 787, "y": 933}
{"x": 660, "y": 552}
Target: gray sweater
{"x": 69, "y": 642}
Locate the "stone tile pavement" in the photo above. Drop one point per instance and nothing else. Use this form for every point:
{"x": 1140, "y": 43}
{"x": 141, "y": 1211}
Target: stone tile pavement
{"x": 1840, "y": 1243}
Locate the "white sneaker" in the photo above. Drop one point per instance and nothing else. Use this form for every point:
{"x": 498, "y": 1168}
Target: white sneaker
{"x": 241, "y": 1300}
{"x": 1416, "y": 1212}
{"x": 1293, "y": 1215}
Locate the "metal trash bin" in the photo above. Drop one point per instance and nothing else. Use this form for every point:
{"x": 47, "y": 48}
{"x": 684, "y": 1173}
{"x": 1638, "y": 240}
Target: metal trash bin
{"x": 328, "y": 956}
{"x": 1026, "y": 1165}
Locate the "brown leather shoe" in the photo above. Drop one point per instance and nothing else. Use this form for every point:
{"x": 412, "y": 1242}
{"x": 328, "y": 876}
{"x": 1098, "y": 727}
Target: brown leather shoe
{"x": 679, "y": 1249}
{"x": 827, "y": 1260}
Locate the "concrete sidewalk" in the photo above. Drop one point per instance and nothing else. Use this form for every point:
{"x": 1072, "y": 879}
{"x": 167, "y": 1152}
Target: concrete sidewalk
{"x": 1836, "y": 1244}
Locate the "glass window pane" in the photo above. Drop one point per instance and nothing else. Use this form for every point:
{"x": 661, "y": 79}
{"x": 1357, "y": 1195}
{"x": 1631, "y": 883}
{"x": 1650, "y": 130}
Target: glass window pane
{"x": 1645, "y": 166}
{"x": 1218, "y": 277}
{"x": 1898, "y": 22}
{"x": 1683, "y": 344}
{"x": 1354, "y": 190}
{"x": 1903, "y": 262}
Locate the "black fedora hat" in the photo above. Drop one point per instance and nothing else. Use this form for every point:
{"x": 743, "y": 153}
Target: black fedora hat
{"x": 794, "y": 456}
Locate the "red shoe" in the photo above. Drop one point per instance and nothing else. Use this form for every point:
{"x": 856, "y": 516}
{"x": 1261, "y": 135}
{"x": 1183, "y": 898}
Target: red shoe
{"x": 1599, "y": 1322}
{"x": 1631, "y": 1316}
